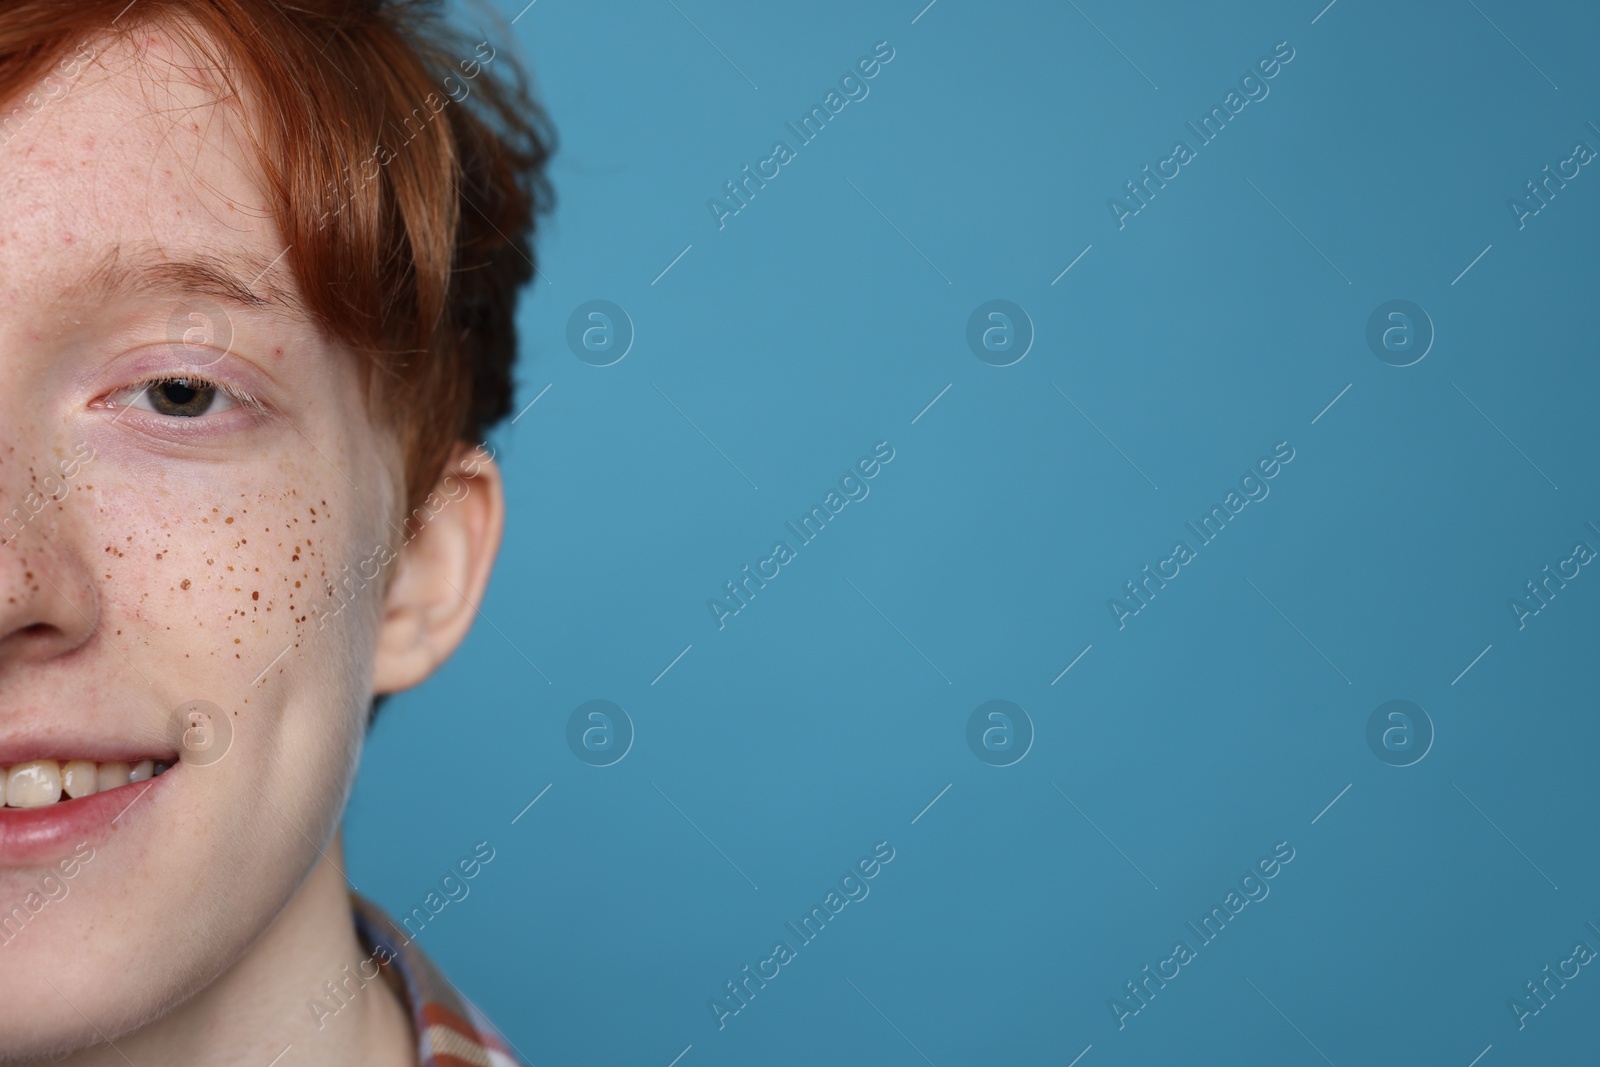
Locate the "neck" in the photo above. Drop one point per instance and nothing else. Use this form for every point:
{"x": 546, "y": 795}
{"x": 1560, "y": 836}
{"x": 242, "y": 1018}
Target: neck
{"x": 262, "y": 1006}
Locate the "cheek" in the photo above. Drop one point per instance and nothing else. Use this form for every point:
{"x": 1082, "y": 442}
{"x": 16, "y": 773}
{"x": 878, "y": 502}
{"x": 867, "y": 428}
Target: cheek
{"x": 223, "y": 584}
{"x": 217, "y": 594}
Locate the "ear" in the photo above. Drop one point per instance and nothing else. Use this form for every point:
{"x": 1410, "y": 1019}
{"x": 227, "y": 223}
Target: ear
{"x": 442, "y": 570}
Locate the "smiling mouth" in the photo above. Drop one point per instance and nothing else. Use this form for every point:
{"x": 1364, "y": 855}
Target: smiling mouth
{"x": 41, "y": 783}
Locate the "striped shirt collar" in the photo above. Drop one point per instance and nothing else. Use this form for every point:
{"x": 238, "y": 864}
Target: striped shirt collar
{"x": 450, "y": 1032}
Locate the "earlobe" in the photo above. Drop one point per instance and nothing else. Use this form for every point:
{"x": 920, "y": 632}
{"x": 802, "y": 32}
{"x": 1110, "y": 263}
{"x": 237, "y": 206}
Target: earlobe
{"x": 442, "y": 571}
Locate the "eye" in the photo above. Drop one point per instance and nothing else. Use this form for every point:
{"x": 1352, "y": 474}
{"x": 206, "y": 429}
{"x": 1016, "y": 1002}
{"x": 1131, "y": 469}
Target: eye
{"x": 179, "y": 397}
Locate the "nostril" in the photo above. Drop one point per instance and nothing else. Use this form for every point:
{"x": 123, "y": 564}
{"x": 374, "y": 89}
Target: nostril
{"x": 47, "y": 619}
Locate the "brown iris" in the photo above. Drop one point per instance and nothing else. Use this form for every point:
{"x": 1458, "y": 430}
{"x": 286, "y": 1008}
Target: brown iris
{"x": 181, "y": 397}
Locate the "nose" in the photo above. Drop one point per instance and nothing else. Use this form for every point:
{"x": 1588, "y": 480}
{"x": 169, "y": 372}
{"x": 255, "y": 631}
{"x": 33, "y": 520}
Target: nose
{"x": 49, "y": 604}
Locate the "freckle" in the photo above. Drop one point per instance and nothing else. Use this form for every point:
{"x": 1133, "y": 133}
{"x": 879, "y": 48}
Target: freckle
{"x": 228, "y": 520}
{"x": 184, "y": 584}
{"x": 256, "y": 595}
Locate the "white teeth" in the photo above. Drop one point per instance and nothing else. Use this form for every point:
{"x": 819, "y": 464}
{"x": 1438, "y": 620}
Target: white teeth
{"x": 78, "y": 778}
{"x": 40, "y": 783}
{"x": 33, "y": 784}
{"x": 109, "y": 776}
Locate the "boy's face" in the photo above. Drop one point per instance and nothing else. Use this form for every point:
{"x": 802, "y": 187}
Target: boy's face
{"x": 167, "y": 544}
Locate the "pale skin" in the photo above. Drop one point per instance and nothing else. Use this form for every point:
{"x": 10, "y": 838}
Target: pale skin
{"x": 185, "y": 561}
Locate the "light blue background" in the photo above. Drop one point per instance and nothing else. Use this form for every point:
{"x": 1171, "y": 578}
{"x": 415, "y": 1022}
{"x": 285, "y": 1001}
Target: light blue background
{"x": 1212, "y": 727}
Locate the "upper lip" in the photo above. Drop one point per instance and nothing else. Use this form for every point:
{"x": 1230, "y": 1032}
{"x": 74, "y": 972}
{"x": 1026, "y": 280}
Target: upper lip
{"x": 23, "y": 747}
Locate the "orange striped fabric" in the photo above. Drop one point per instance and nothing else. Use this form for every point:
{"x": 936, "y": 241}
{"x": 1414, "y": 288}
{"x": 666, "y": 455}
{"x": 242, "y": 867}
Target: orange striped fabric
{"x": 450, "y": 1031}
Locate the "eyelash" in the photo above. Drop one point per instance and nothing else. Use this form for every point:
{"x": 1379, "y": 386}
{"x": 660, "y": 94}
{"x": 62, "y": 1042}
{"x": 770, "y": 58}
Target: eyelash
{"x": 123, "y": 399}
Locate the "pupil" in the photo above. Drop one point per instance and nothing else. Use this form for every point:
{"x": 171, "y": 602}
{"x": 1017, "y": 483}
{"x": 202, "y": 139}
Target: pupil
{"x": 181, "y": 398}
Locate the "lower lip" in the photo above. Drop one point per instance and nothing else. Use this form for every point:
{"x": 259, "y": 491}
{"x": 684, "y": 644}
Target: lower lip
{"x": 34, "y": 836}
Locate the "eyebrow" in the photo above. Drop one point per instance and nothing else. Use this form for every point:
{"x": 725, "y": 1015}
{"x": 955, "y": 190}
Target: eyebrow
{"x": 236, "y": 277}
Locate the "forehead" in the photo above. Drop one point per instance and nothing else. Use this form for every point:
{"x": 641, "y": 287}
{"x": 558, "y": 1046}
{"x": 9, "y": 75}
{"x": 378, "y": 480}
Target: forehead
{"x": 145, "y": 147}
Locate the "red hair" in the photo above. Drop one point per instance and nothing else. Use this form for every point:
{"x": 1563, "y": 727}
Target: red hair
{"x": 405, "y": 167}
